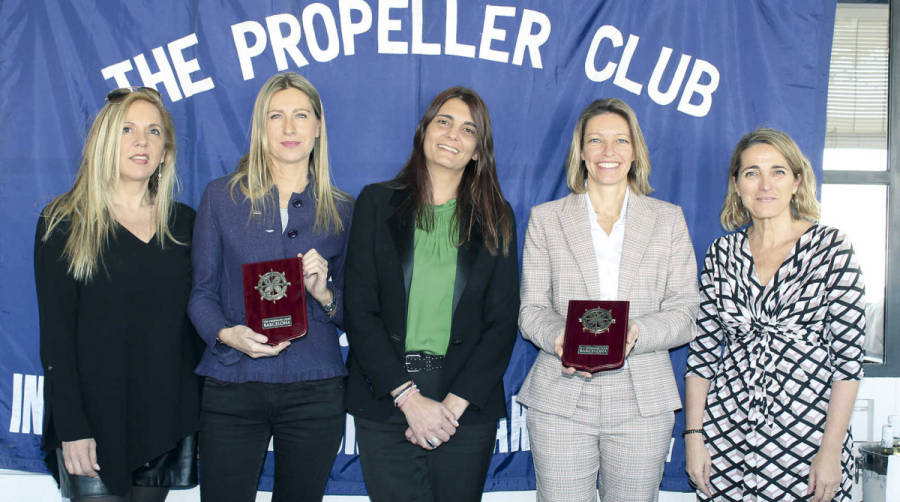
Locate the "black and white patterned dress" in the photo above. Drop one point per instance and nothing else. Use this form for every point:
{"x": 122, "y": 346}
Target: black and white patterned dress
{"x": 771, "y": 354}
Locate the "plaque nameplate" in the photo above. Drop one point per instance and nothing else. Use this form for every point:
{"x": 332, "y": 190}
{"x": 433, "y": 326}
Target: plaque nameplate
{"x": 275, "y": 299}
{"x": 276, "y": 322}
{"x": 596, "y": 333}
{"x": 598, "y": 350}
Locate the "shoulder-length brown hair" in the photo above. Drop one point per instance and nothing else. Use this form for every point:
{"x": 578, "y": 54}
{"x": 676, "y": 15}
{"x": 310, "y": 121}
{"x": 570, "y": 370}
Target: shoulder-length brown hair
{"x": 479, "y": 200}
{"x": 253, "y": 176}
{"x": 803, "y": 204}
{"x": 638, "y": 175}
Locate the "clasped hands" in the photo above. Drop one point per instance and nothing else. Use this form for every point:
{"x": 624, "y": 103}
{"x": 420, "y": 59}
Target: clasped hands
{"x": 315, "y": 280}
{"x": 630, "y": 340}
{"x": 432, "y": 423}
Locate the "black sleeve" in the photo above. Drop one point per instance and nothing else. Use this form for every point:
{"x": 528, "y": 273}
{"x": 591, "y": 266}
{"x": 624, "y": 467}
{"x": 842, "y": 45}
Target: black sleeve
{"x": 369, "y": 339}
{"x": 58, "y": 297}
{"x": 500, "y": 314}
{"x": 183, "y": 222}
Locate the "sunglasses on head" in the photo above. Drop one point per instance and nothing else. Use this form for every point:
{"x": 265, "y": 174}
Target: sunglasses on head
{"x": 117, "y": 94}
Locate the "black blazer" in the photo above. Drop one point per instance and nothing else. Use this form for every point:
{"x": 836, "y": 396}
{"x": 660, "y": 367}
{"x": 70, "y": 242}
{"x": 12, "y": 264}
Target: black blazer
{"x": 376, "y": 288}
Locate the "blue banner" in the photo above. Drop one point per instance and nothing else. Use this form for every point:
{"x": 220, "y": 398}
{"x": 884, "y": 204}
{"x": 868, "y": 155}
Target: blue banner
{"x": 698, "y": 74}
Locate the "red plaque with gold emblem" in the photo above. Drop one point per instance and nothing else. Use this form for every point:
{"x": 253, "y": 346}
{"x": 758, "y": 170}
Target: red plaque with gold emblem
{"x": 596, "y": 332}
{"x": 275, "y": 299}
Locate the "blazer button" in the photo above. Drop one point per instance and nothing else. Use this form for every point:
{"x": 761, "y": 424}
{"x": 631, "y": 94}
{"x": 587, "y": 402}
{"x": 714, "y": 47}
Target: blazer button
{"x": 297, "y": 203}
{"x": 291, "y": 234}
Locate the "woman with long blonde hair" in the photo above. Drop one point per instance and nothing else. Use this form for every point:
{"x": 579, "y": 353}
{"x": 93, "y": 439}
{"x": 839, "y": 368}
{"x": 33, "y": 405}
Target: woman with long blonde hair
{"x": 279, "y": 203}
{"x": 607, "y": 432}
{"x": 112, "y": 270}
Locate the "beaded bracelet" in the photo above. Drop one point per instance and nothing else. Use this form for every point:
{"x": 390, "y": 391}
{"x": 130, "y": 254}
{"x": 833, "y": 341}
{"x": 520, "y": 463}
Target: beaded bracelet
{"x": 408, "y": 394}
{"x": 403, "y": 391}
{"x": 405, "y": 388}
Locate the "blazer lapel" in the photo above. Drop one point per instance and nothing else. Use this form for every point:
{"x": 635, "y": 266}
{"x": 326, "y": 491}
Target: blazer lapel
{"x": 465, "y": 260}
{"x": 402, "y": 232}
{"x": 577, "y": 230}
{"x": 639, "y": 222}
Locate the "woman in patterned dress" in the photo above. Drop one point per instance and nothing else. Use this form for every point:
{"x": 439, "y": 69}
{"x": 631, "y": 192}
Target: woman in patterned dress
{"x": 767, "y": 417}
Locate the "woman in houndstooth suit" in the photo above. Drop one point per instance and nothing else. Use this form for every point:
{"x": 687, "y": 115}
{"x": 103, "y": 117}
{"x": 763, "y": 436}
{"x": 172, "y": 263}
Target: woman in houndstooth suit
{"x": 606, "y": 240}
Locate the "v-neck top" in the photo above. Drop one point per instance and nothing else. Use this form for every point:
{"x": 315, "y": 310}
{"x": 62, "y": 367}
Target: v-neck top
{"x": 754, "y": 272}
{"x": 118, "y": 350}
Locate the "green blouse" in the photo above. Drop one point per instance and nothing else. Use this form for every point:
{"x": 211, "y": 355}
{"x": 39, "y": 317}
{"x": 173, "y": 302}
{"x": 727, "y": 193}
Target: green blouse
{"x": 431, "y": 290}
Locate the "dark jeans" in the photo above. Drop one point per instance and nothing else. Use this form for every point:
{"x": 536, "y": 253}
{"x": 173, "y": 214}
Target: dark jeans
{"x": 306, "y": 420}
{"x": 396, "y": 470}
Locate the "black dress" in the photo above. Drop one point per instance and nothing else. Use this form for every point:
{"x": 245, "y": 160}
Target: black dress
{"x": 118, "y": 351}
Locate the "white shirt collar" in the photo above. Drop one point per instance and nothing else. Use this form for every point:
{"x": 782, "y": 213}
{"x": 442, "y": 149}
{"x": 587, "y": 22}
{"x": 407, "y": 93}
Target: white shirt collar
{"x": 592, "y": 216}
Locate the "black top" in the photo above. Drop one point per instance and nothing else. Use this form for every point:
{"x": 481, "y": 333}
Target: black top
{"x": 118, "y": 351}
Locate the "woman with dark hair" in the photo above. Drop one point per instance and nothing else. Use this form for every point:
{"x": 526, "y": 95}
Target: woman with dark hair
{"x": 113, "y": 274}
{"x": 432, "y": 302}
{"x": 606, "y": 240}
{"x": 773, "y": 373}
{"x": 279, "y": 203}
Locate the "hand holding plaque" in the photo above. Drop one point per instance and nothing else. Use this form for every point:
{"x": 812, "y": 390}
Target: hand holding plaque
{"x": 596, "y": 335}
{"x": 275, "y": 299}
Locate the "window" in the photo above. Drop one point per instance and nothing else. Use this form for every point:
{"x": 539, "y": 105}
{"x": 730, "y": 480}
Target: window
{"x": 861, "y": 169}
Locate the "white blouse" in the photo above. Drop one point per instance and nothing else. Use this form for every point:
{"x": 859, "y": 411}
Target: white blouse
{"x": 608, "y": 249}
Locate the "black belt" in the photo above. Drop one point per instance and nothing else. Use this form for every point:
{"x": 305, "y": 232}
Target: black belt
{"x": 422, "y": 361}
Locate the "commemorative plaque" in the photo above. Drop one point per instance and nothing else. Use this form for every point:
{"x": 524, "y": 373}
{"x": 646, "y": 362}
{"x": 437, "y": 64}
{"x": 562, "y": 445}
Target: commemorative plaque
{"x": 275, "y": 299}
{"x": 595, "y": 337}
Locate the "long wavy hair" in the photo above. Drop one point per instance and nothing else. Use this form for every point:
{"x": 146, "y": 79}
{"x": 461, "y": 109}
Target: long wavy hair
{"x": 479, "y": 201}
{"x": 638, "y": 175}
{"x": 253, "y": 176}
{"x": 87, "y": 208}
{"x": 803, "y": 204}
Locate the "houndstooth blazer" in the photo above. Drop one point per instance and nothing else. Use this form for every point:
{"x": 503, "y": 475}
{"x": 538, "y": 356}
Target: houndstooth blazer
{"x": 657, "y": 274}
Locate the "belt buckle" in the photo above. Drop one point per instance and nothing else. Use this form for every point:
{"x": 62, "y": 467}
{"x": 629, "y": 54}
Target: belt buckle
{"x": 413, "y": 361}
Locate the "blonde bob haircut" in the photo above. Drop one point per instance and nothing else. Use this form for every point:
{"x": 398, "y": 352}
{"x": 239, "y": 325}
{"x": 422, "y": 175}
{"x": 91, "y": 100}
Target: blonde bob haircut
{"x": 253, "y": 175}
{"x": 87, "y": 208}
{"x": 638, "y": 175}
{"x": 803, "y": 204}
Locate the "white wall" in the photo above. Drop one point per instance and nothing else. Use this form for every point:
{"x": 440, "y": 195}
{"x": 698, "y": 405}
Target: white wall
{"x": 884, "y": 394}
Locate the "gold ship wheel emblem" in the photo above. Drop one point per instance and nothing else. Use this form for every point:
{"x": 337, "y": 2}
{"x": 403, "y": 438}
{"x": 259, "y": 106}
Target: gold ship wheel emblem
{"x": 272, "y": 286}
{"x": 597, "y": 320}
